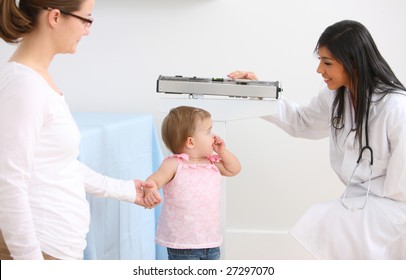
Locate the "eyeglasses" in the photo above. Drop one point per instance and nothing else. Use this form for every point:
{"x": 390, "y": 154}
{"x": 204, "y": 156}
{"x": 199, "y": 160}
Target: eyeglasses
{"x": 87, "y": 21}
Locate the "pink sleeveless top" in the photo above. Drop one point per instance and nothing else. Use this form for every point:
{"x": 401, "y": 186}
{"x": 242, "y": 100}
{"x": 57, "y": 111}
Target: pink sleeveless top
{"x": 190, "y": 216}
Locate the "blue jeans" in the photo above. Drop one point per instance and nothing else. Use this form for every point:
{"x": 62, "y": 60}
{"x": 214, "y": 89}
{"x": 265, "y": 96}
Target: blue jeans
{"x": 194, "y": 254}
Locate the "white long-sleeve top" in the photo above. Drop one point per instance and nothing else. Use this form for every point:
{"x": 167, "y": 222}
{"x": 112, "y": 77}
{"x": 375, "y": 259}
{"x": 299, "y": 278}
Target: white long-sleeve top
{"x": 387, "y": 129}
{"x": 43, "y": 186}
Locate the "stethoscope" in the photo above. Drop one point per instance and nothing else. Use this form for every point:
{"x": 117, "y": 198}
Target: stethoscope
{"x": 360, "y": 160}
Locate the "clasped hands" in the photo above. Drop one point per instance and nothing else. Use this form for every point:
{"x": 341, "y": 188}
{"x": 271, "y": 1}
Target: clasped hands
{"x": 147, "y": 194}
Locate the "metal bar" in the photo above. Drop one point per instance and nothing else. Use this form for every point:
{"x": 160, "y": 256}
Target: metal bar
{"x": 218, "y": 86}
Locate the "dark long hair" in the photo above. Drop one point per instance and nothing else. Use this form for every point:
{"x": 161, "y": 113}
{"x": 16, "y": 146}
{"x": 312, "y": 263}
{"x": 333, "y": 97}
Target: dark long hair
{"x": 351, "y": 44}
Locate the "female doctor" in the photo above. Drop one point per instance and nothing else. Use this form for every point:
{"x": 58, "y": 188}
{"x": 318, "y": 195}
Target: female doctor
{"x": 363, "y": 112}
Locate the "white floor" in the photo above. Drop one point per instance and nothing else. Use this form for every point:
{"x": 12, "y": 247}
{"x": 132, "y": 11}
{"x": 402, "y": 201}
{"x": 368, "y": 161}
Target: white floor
{"x": 263, "y": 245}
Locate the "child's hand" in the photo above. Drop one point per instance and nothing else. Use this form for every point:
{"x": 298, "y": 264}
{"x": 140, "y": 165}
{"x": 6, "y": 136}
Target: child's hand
{"x": 151, "y": 194}
{"x": 219, "y": 145}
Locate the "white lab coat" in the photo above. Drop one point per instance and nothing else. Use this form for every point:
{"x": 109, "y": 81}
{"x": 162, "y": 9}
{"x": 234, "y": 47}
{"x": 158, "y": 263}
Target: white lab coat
{"x": 329, "y": 230}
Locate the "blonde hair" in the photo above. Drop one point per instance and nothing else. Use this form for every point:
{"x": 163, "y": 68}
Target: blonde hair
{"x": 18, "y": 20}
{"x": 180, "y": 124}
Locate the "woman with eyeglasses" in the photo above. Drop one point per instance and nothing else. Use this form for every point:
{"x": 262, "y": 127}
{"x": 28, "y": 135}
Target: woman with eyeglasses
{"x": 43, "y": 208}
{"x": 363, "y": 112}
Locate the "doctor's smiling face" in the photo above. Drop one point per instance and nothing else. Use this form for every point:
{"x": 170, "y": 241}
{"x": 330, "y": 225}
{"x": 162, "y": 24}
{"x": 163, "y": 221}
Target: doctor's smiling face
{"x": 331, "y": 70}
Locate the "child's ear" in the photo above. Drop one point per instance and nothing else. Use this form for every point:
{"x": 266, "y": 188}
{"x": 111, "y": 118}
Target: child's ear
{"x": 190, "y": 143}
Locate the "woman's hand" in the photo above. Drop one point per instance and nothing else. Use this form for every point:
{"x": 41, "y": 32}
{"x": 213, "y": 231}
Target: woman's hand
{"x": 242, "y": 75}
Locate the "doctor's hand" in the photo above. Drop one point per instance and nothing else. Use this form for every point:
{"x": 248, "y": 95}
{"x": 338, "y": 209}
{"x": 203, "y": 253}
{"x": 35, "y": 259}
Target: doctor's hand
{"x": 242, "y": 75}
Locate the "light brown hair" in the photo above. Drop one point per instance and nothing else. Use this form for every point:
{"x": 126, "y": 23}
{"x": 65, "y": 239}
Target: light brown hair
{"x": 180, "y": 124}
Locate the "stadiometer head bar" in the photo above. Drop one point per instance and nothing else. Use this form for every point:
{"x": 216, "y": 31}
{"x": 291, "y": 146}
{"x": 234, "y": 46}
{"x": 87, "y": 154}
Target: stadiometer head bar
{"x": 239, "y": 88}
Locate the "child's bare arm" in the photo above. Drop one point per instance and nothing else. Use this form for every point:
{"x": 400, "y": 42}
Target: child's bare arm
{"x": 162, "y": 176}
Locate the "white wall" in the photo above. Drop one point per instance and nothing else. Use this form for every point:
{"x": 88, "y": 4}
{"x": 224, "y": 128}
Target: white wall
{"x": 132, "y": 42}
